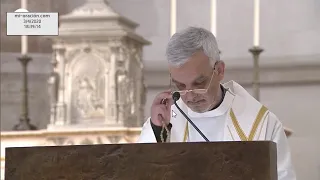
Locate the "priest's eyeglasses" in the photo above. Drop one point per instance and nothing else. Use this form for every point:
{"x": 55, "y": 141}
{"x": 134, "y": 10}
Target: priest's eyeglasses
{"x": 202, "y": 87}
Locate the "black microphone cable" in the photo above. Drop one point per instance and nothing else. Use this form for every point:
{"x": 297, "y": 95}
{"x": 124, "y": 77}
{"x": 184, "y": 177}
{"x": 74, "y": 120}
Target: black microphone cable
{"x": 176, "y": 97}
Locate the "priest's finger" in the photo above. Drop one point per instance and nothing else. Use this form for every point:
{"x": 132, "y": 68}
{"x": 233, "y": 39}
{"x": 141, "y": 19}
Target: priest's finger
{"x": 161, "y": 109}
{"x": 160, "y": 113}
{"x": 164, "y": 113}
{"x": 170, "y": 102}
{"x": 162, "y": 96}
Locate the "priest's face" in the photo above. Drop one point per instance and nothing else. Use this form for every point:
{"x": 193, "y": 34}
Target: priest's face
{"x": 198, "y": 82}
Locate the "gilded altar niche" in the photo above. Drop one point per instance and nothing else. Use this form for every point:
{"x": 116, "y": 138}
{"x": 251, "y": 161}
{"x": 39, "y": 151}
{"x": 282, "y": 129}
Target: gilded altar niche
{"x": 87, "y": 84}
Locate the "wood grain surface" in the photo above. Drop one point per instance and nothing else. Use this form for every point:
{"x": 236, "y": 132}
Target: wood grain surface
{"x": 161, "y": 161}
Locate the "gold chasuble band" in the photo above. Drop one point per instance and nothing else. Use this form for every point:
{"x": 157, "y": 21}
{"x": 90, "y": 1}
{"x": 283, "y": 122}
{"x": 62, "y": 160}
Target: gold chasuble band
{"x": 186, "y": 133}
{"x": 254, "y": 128}
{"x": 238, "y": 128}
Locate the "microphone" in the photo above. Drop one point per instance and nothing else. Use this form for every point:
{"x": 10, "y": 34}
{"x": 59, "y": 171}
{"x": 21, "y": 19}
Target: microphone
{"x": 176, "y": 97}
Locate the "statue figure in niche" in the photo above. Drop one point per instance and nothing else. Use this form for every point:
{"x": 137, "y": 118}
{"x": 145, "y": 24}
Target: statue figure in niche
{"x": 53, "y": 90}
{"x": 53, "y": 87}
{"x": 122, "y": 54}
{"x": 88, "y": 99}
{"x": 132, "y": 97}
{"x": 123, "y": 93}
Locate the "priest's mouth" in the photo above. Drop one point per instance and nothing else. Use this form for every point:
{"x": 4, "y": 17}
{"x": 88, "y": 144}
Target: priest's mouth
{"x": 196, "y": 103}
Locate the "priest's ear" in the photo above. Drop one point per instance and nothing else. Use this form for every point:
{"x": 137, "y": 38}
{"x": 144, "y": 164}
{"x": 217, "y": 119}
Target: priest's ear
{"x": 219, "y": 69}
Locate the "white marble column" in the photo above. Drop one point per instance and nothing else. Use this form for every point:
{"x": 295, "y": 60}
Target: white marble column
{"x": 106, "y": 96}
{"x": 141, "y": 90}
{"x": 112, "y": 89}
{"x": 61, "y": 106}
{"x": 53, "y": 88}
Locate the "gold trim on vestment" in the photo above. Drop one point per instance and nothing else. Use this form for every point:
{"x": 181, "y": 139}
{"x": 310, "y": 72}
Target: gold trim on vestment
{"x": 238, "y": 128}
{"x": 186, "y": 133}
{"x": 254, "y": 128}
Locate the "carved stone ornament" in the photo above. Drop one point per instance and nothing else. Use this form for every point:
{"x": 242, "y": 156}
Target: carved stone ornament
{"x": 88, "y": 74}
{"x": 59, "y": 141}
{"x": 89, "y": 96}
{"x": 100, "y": 68}
{"x": 71, "y": 53}
{"x": 53, "y": 87}
{"x": 78, "y": 140}
{"x": 114, "y": 139}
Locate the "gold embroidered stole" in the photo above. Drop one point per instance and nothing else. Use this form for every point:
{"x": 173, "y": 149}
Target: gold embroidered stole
{"x": 254, "y": 127}
{"x": 237, "y": 126}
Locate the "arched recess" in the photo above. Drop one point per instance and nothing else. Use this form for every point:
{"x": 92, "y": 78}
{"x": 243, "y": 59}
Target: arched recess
{"x": 87, "y": 79}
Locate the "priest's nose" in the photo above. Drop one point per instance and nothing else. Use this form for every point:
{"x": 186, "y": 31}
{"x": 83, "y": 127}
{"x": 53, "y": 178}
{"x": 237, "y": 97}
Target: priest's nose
{"x": 191, "y": 96}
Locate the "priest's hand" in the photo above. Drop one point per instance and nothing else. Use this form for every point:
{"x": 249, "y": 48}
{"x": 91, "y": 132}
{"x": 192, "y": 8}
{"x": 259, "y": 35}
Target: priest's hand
{"x": 161, "y": 108}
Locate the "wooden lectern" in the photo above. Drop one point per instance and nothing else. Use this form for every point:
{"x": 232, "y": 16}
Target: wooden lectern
{"x": 251, "y": 160}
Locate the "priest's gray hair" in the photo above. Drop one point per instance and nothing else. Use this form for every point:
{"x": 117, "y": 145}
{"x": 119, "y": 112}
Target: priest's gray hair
{"x": 182, "y": 45}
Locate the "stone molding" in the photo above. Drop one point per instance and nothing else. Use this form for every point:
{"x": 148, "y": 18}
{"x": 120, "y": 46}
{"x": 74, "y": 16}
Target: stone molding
{"x": 84, "y": 131}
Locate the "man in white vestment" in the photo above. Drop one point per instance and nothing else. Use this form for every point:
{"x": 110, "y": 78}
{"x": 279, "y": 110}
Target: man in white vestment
{"x": 223, "y": 112}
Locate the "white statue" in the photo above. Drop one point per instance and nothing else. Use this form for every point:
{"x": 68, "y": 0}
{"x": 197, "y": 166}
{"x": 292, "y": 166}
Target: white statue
{"x": 123, "y": 94}
{"x": 53, "y": 87}
{"x": 53, "y": 90}
{"x": 132, "y": 97}
{"x": 87, "y": 101}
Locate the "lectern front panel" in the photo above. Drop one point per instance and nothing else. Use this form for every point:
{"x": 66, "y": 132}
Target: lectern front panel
{"x": 157, "y": 161}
